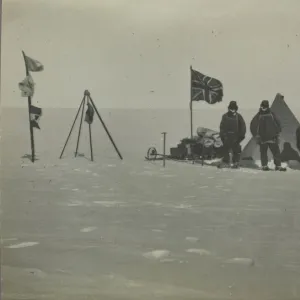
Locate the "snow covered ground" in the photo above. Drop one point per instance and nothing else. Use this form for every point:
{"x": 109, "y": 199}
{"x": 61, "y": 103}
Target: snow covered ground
{"x": 111, "y": 229}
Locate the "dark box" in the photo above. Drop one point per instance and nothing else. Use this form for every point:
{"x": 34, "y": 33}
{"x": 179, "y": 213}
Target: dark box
{"x": 178, "y": 152}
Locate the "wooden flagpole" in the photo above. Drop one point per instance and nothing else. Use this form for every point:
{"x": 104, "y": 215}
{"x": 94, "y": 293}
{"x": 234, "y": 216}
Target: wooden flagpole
{"x": 30, "y": 124}
{"x": 191, "y": 104}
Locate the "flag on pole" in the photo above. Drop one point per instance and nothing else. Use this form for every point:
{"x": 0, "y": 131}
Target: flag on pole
{"x": 33, "y": 65}
{"x": 89, "y": 115}
{"x": 205, "y": 88}
{"x": 27, "y": 87}
{"x": 35, "y": 115}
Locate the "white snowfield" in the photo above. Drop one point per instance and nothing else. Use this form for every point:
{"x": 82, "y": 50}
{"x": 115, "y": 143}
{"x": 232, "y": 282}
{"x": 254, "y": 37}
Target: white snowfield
{"x": 137, "y": 230}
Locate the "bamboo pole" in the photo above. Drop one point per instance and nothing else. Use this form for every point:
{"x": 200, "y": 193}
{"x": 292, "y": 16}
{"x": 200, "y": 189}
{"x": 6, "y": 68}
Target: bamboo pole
{"x": 80, "y": 126}
{"x": 71, "y": 129}
{"x": 30, "y": 124}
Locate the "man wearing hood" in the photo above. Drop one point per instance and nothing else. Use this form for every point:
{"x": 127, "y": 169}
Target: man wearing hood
{"x": 266, "y": 128}
{"x": 232, "y": 133}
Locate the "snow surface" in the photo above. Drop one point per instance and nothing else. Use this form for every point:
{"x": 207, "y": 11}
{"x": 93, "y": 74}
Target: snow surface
{"x": 138, "y": 230}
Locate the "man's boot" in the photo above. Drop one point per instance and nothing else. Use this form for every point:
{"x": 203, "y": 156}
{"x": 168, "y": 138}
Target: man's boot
{"x": 235, "y": 166}
{"x": 223, "y": 165}
{"x": 280, "y": 168}
{"x": 236, "y": 161}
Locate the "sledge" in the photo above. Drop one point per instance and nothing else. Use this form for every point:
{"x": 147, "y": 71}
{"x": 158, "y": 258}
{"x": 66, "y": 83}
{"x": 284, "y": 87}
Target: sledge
{"x": 153, "y": 155}
{"x": 206, "y": 145}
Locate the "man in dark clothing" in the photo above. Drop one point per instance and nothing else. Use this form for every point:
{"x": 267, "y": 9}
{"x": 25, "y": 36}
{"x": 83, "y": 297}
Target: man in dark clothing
{"x": 298, "y": 137}
{"x": 266, "y": 128}
{"x": 232, "y": 132}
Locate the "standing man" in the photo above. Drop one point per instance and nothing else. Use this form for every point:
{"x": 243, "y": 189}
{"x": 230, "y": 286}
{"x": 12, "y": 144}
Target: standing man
{"x": 232, "y": 132}
{"x": 266, "y": 128}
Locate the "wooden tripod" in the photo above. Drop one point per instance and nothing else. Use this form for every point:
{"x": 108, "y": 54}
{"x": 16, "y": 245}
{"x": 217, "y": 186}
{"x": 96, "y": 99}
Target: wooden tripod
{"x": 87, "y": 99}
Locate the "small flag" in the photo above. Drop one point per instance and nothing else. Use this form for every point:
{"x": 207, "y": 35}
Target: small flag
{"x": 205, "y": 88}
{"x": 35, "y": 115}
{"x": 33, "y": 65}
{"x": 89, "y": 115}
{"x": 27, "y": 87}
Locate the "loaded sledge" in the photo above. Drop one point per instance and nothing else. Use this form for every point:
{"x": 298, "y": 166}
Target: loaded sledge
{"x": 207, "y": 145}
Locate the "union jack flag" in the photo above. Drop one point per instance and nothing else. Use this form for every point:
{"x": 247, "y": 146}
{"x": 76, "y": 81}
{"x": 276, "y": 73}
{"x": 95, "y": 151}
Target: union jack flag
{"x": 205, "y": 88}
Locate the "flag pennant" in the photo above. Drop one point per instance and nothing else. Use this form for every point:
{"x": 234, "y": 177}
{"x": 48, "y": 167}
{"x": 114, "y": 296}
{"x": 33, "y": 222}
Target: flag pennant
{"x": 33, "y": 65}
{"x": 205, "y": 88}
{"x": 89, "y": 115}
{"x": 27, "y": 87}
{"x": 35, "y": 115}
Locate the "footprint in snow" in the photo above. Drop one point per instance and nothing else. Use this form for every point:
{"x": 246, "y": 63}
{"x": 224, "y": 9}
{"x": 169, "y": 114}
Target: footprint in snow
{"x": 198, "y": 251}
{"x": 75, "y": 204}
{"x": 157, "y": 254}
{"x": 88, "y": 229}
{"x": 241, "y": 261}
{"x": 36, "y": 272}
{"x": 22, "y": 245}
{"x": 184, "y": 206}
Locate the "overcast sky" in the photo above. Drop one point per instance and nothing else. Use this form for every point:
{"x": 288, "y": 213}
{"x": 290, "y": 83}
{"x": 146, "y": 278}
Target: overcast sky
{"x": 137, "y": 53}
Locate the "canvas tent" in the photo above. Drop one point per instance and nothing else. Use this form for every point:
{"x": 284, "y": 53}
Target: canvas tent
{"x": 288, "y": 143}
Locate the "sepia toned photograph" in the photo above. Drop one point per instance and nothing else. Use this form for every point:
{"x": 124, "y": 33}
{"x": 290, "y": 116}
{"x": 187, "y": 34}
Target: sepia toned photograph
{"x": 150, "y": 149}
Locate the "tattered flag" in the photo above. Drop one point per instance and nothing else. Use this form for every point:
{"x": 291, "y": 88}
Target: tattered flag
{"x": 27, "y": 87}
{"x": 35, "y": 115}
{"x": 33, "y": 65}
